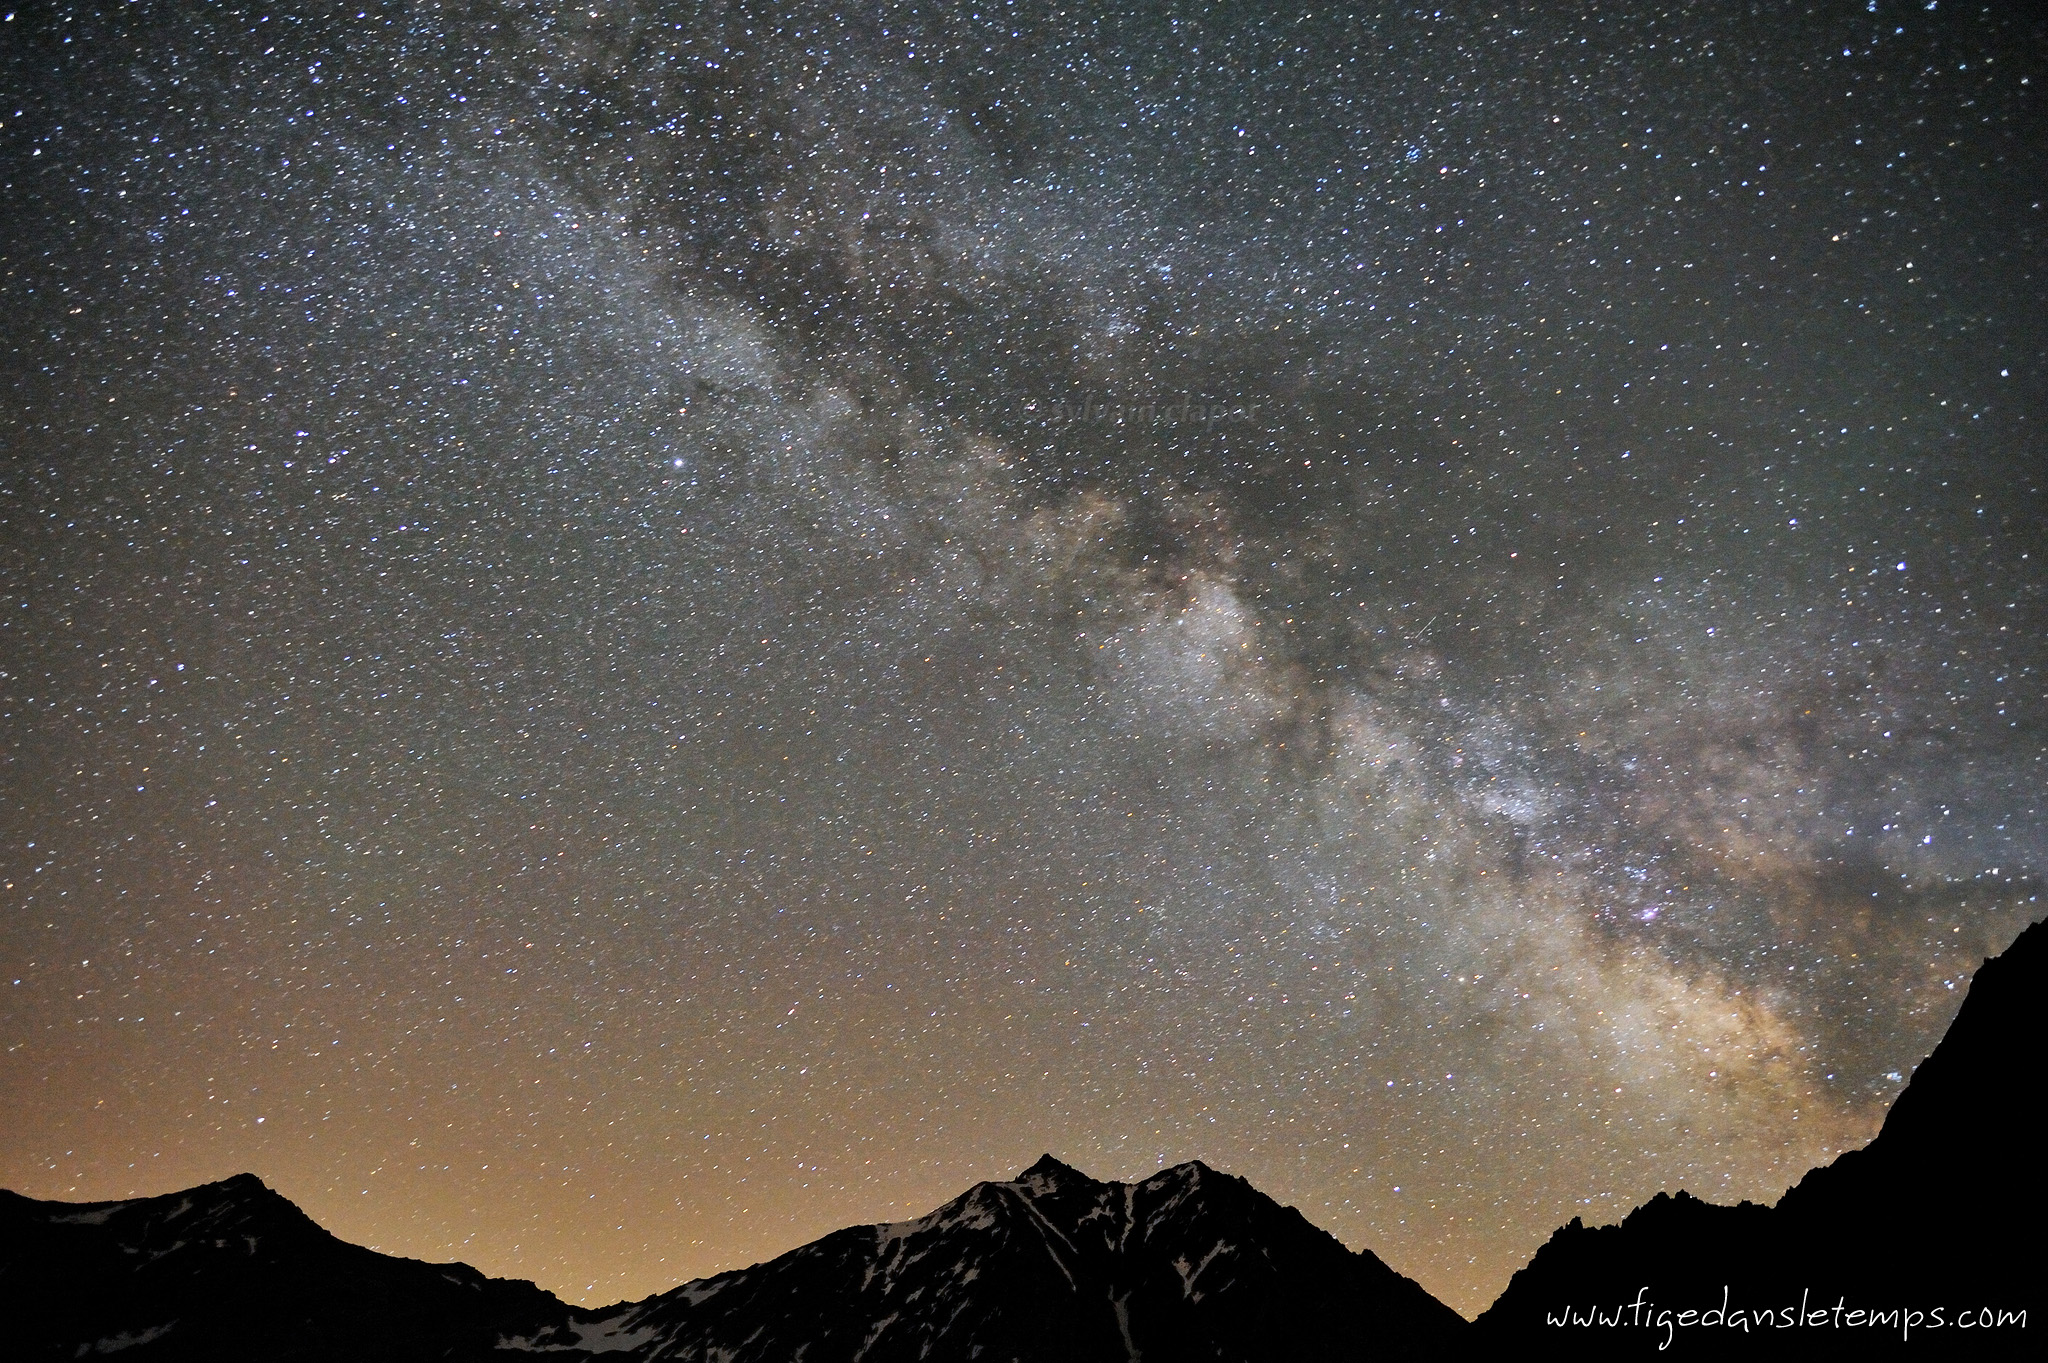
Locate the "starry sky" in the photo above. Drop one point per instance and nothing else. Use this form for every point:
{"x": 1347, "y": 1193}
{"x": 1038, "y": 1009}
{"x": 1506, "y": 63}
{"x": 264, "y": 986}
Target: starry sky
{"x": 630, "y": 632}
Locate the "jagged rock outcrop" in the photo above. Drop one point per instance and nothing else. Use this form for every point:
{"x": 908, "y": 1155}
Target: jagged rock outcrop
{"x": 1938, "y": 1218}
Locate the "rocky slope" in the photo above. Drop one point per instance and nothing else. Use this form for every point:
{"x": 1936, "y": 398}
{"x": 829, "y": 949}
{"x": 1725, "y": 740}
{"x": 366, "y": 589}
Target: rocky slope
{"x": 1939, "y": 1215}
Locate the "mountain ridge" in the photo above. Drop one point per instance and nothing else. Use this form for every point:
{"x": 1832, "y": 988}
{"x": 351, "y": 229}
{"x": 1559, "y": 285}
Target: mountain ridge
{"x": 1188, "y": 1263}
{"x": 199, "y": 1272}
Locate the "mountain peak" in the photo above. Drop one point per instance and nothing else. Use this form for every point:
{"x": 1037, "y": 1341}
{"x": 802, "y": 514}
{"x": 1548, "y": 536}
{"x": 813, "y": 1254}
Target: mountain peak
{"x": 1050, "y": 1170}
{"x": 1187, "y": 1171}
{"x": 242, "y": 1187}
{"x": 1054, "y": 1265}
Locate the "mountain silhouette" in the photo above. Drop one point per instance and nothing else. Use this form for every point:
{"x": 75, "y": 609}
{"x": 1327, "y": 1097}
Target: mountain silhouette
{"x": 1895, "y": 1248}
{"x": 1189, "y": 1264}
{"x": 1940, "y": 1215}
{"x": 232, "y": 1270}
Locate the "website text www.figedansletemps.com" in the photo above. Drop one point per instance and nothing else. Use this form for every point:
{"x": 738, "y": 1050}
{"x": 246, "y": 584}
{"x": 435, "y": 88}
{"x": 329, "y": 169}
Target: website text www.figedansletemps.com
{"x": 1665, "y": 1323}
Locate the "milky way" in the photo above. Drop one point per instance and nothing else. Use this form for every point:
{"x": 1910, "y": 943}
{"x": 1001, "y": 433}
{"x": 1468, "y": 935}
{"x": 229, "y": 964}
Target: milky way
{"x": 634, "y": 632}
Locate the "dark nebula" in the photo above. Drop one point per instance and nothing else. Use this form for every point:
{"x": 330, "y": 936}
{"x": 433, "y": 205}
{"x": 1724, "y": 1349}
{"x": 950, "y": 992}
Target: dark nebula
{"x": 631, "y": 632}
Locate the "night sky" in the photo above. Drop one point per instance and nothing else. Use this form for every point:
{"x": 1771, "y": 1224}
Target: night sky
{"x": 632, "y": 632}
